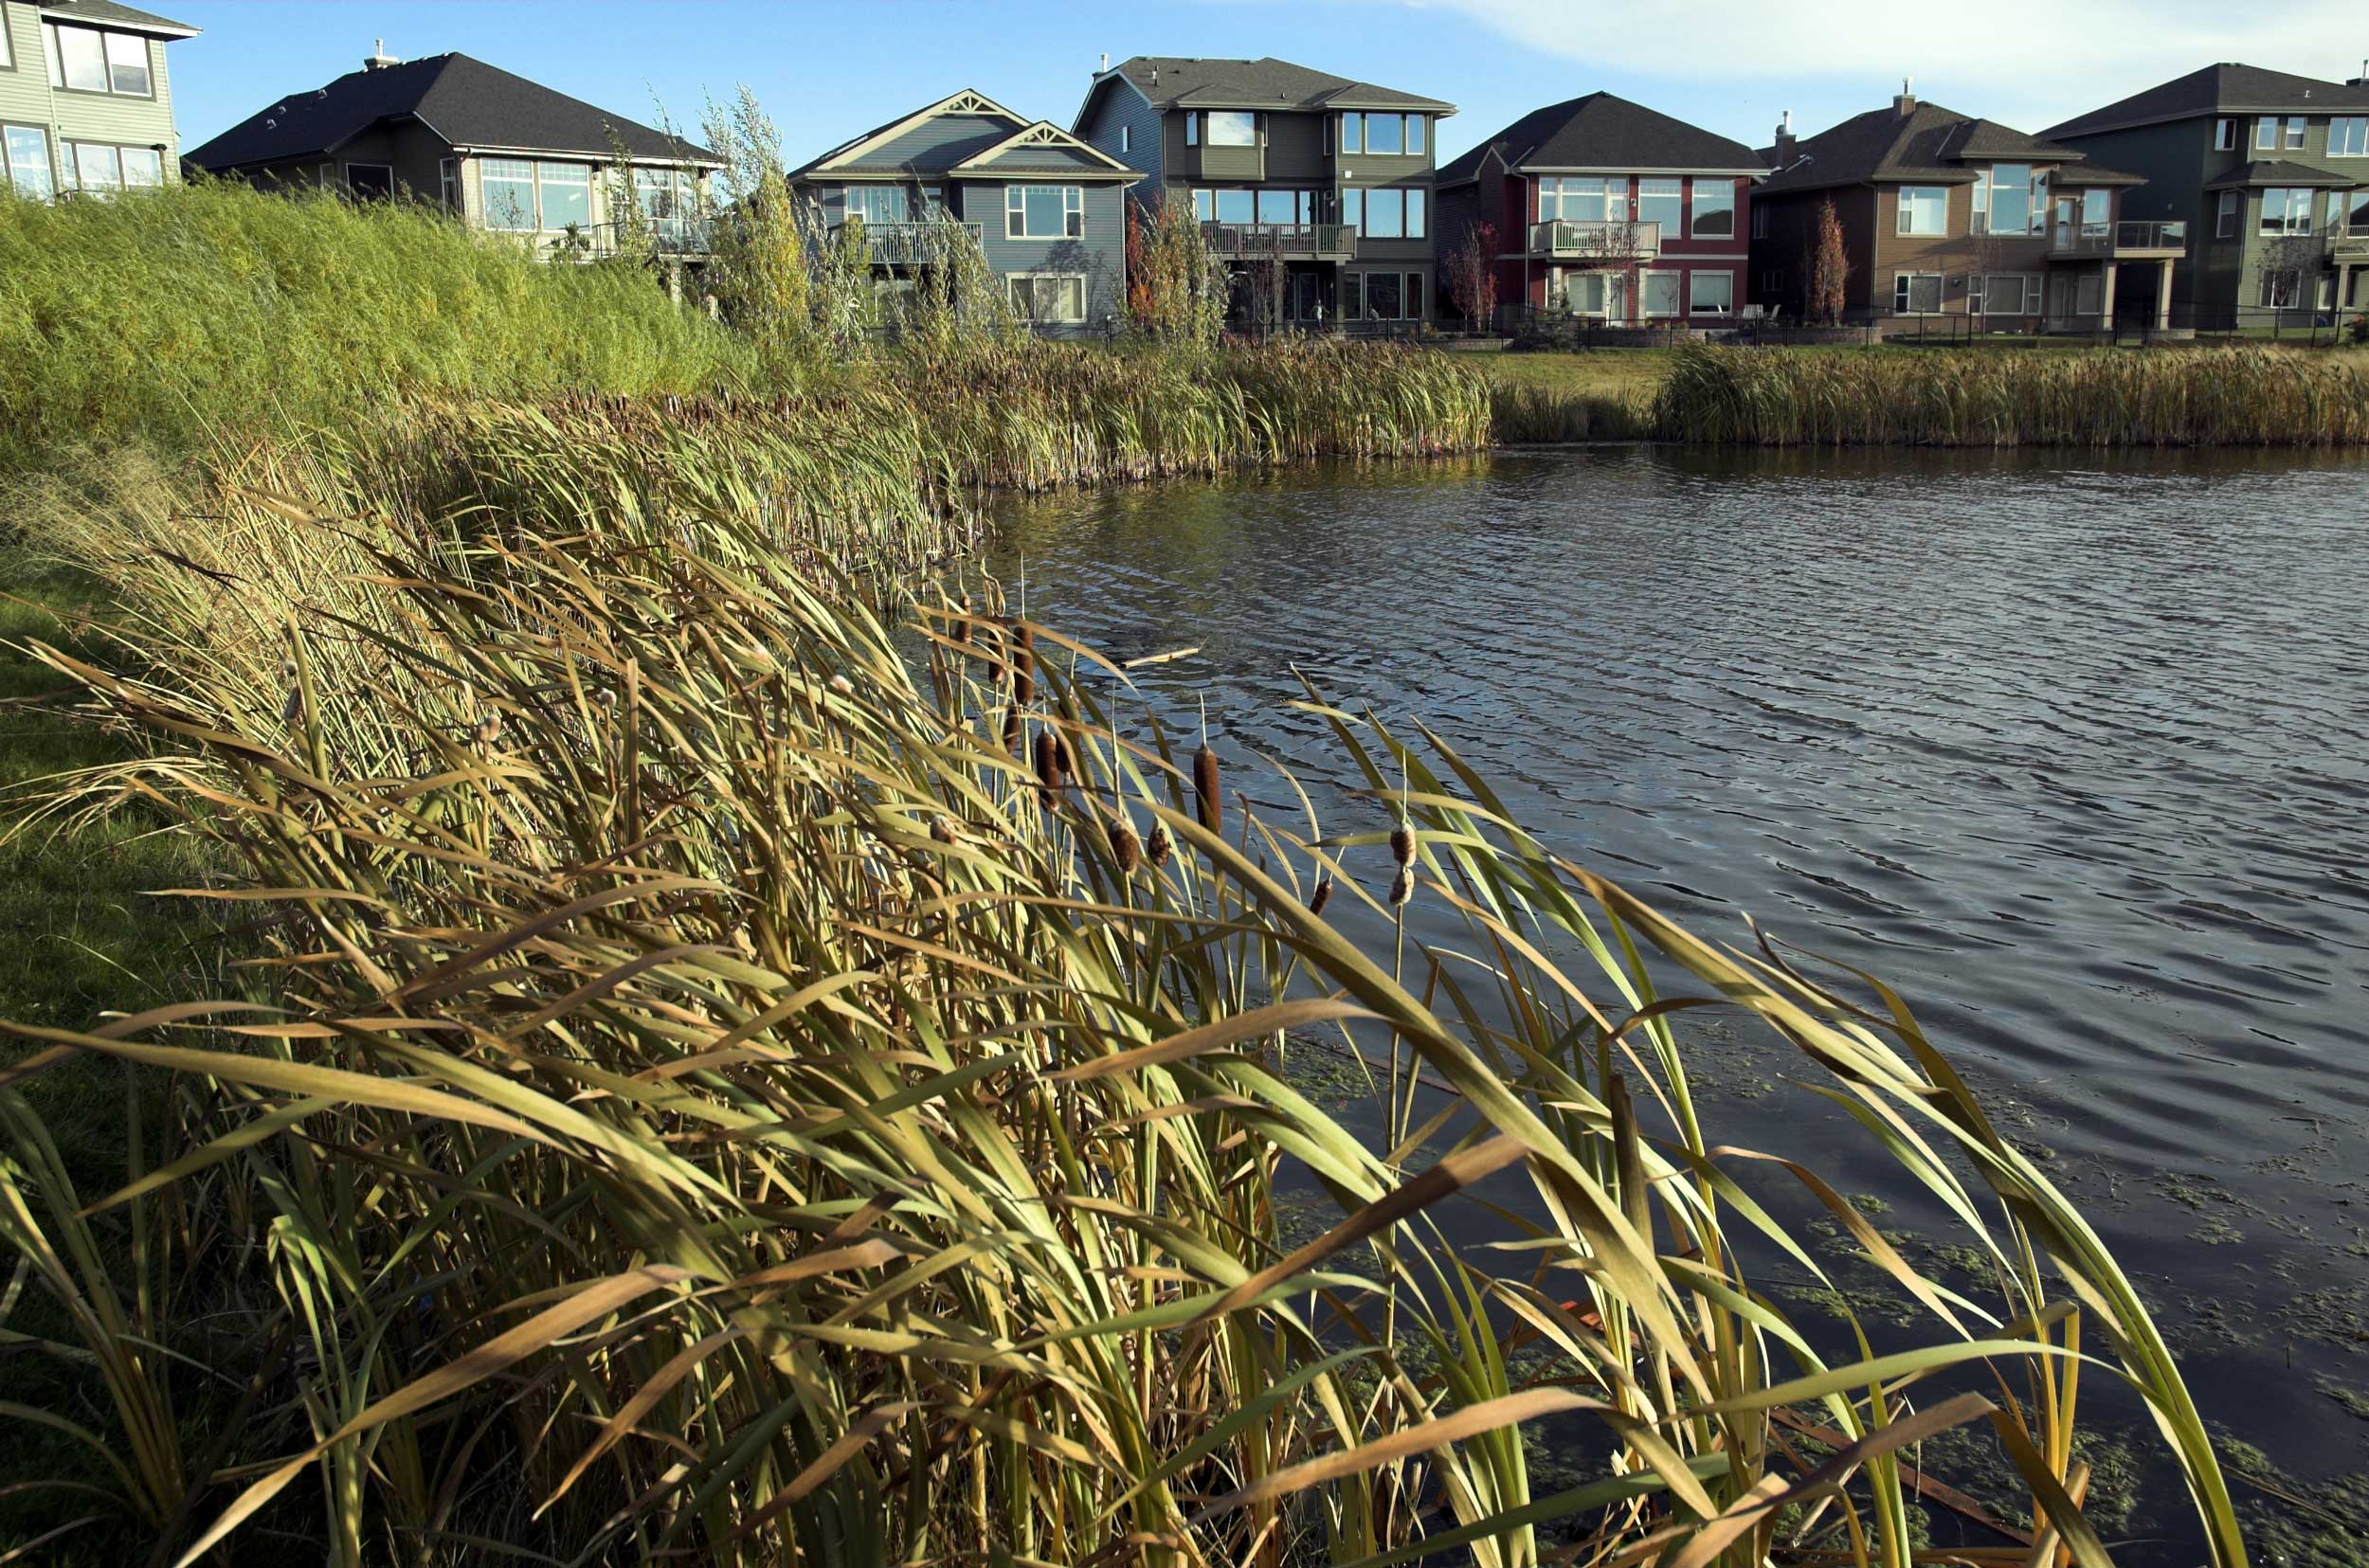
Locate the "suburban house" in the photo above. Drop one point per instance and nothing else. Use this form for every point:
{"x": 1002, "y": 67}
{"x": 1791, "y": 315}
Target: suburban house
{"x": 1316, "y": 190}
{"x": 85, "y": 104}
{"x": 1610, "y": 210}
{"x": 1048, "y": 211}
{"x": 498, "y": 151}
{"x": 1946, "y": 216}
{"x": 2269, "y": 172}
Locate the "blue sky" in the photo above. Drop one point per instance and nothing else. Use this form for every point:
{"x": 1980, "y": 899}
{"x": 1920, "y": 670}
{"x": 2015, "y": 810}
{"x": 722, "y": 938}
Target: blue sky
{"x": 825, "y": 71}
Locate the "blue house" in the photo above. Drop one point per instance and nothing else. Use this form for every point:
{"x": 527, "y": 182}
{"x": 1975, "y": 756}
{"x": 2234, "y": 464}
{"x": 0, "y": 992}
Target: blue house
{"x": 1047, "y": 211}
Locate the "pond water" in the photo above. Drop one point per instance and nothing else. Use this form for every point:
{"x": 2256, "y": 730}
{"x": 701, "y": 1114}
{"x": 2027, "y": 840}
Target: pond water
{"x": 2072, "y": 749}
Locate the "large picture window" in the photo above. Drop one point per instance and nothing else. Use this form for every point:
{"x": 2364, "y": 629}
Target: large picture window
{"x": 2281, "y": 289}
{"x": 29, "y": 169}
{"x": 566, "y": 189}
{"x": 2348, "y": 137}
{"x": 1230, "y": 128}
{"x": 1048, "y": 298}
{"x": 1661, "y": 293}
{"x": 1923, "y": 210}
{"x": 93, "y": 60}
{"x": 2006, "y": 294}
{"x": 2288, "y": 211}
{"x": 1714, "y": 214}
{"x": 1387, "y": 214}
{"x": 102, "y": 170}
{"x": 2357, "y": 219}
{"x": 1569, "y": 199}
{"x": 873, "y": 204}
{"x": 1916, "y": 293}
{"x": 507, "y": 187}
{"x": 1045, "y": 213}
{"x": 1389, "y": 135}
{"x": 1661, "y": 202}
{"x": 1711, "y": 293}
{"x": 2010, "y": 198}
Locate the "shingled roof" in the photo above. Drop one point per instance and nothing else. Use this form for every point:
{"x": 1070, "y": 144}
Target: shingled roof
{"x": 466, "y": 102}
{"x": 965, "y": 132}
{"x": 2225, "y": 88}
{"x": 107, "y": 13}
{"x": 1927, "y": 145}
{"x": 1173, "y": 82}
{"x": 2280, "y": 172}
{"x": 1602, "y": 131}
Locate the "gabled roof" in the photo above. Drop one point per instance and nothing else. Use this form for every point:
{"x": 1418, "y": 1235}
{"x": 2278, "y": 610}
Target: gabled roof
{"x": 107, "y": 13}
{"x": 466, "y": 102}
{"x": 2280, "y": 172}
{"x": 2226, "y": 88}
{"x": 1175, "y": 82}
{"x": 1929, "y": 144}
{"x": 965, "y": 134}
{"x": 1602, "y": 130}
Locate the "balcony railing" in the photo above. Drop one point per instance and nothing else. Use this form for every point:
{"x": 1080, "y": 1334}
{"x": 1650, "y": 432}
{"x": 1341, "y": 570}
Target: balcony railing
{"x": 2120, "y": 239}
{"x": 690, "y": 237}
{"x": 896, "y": 245}
{"x": 1281, "y": 240}
{"x": 1594, "y": 237}
{"x": 2353, "y": 246}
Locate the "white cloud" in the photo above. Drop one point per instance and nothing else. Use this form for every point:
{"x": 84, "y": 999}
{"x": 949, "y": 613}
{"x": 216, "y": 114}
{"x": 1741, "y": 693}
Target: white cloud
{"x": 2050, "y": 59}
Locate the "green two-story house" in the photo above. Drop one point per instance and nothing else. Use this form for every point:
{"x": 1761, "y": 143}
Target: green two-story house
{"x": 84, "y": 105}
{"x": 1318, "y": 190}
{"x": 2270, "y": 173}
{"x": 1046, "y": 212}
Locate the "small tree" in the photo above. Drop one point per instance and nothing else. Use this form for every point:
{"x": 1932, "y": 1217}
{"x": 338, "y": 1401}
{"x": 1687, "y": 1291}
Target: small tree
{"x": 1472, "y": 276}
{"x": 1178, "y": 287}
{"x": 1830, "y": 266}
{"x": 760, "y": 270}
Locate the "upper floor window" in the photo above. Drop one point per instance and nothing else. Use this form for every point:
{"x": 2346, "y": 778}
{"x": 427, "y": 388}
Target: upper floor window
{"x": 1127, "y": 138}
{"x": 880, "y": 204}
{"x": 1661, "y": 202}
{"x": 2224, "y": 135}
{"x": 1569, "y": 199}
{"x": 1221, "y": 128}
{"x": 667, "y": 196}
{"x": 1045, "y": 211}
{"x": 2010, "y": 198}
{"x": 1391, "y": 135}
{"x": 2271, "y": 133}
{"x": 1714, "y": 215}
{"x": 1385, "y": 214}
{"x": 526, "y": 194}
{"x": 1760, "y": 221}
{"x": 94, "y": 60}
{"x": 29, "y": 169}
{"x": 1923, "y": 210}
{"x": 2226, "y": 217}
{"x": 2097, "y": 207}
{"x": 2357, "y": 221}
{"x": 2288, "y": 211}
{"x": 2348, "y": 137}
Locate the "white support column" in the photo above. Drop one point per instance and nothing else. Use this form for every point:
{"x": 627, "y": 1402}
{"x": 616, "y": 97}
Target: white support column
{"x": 2106, "y": 305}
{"x": 2163, "y": 298}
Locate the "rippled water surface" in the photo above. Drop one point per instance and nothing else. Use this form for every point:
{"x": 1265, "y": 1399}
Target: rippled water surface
{"x": 2074, "y": 752}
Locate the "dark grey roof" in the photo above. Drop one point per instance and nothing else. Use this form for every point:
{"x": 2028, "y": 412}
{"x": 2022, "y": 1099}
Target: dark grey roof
{"x": 955, "y": 132}
{"x": 2280, "y": 172}
{"x": 107, "y": 14}
{"x": 1929, "y": 143}
{"x": 1173, "y": 82}
{"x": 1602, "y": 130}
{"x": 2228, "y": 87}
{"x": 466, "y": 102}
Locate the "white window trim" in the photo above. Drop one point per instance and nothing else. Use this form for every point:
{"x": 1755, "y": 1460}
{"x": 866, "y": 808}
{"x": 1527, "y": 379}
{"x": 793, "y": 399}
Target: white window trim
{"x": 48, "y": 153}
{"x": 2298, "y": 132}
{"x": 2265, "y": 125}
{"x": 1670, "y": 231}
{"x": 1016, "y": 206}
{"x": 1645, "y": 294}
{"x": 2287, "y": 230}
{"x": 2028, "y": 300}
{"x": 1251, "y": 114}
{"x": 1127, "y": 138}
{"x": 2097, "y": 304}
{"x": 1941, "y": 293}
{"x": 1901, "y": 210}
{"x": 2225, "y": 136}
{"x": 2362, "y": 121}
{"x": 1696, "y": 191}
{"x": 1011, "y": 277}
{"x": 2228, "y": 215}
{"x": 1722, "y": 275}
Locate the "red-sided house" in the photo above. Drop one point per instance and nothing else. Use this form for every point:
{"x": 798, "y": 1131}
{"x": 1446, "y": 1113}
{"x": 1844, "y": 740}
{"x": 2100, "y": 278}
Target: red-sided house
{"x": 1610, "y": 210}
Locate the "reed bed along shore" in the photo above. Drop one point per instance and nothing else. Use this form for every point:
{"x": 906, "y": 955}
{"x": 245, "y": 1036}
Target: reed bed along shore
{"x": 2155, "y": 397}
{"x": 715, "y": 1085}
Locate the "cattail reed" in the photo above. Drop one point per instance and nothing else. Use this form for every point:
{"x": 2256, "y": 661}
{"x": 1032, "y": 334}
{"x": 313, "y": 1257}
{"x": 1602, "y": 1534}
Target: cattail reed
{"x": 1051, "y": 775}
{"x": 1023, "y": 665}
{"x": 1126, "y": 849}
{"x": 1401, "y": 842}
{"x": 942, "y": 828}
{"x": 1208, "y": 801}
{"x": 1321, "y": 894}
{"x": 1402, "y": 886}
{"x": 1159, "y": 846}
{"x": 1011, "y": 731}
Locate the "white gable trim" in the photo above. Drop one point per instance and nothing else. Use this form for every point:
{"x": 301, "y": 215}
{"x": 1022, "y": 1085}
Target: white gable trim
{"x": 967, "y": 101}
{"x": 1045, "y": 134}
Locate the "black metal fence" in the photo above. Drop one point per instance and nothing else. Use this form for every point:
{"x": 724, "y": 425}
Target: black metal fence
{"x": 2307, "y": 327}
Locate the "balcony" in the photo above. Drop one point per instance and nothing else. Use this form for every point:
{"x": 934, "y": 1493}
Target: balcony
{"x": 2352, "y": 246}
{"x": 1568, "y": 239}
{"x": 1282, "y": 241}
{"x": 2131, "y": 241}
{"x": 910, "y": 245}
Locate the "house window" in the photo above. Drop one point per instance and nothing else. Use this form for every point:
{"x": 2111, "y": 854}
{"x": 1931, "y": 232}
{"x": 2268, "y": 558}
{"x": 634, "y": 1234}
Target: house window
{"x": 1353, "y": 297}
{"x": 1772, "y": 279}
{"x": 1916, "y": 293}
{"x": 2356, "y": 222}
{"x": 1387, "y": 134}
{"x": 2010, "y": 198}
{"x": 2282, "y": 288}
{"x": 1586, "y": 292}
{"x": 8, "y": 50}
{"x": 566, "y": 191}
{"x": 1381, "y": 296}
{"x": 873, "y": 204}
{"x": 29, "y": 169}
{"x": 1661, "y": 293}
{"x": 1045, "y": 211}
{"x": 1414, "y": 135}
{"x": 2226, "y": 218}
{"x": 1569, "y": 200}
{"x": 666, "y": 196}
{"x": 2096, "y": 207}
{"x": 2224, "y": 135}
{"x": 91, "y": 59}
{"x": 1760, "y": 222}
{"x": 1048, "y": 298}
{"x": 1127, "y": 138}
{"x": 448, "y": 184}
{"x": 1711, "y": 293}
{"x": 1192, "y": 130}
{"x": 1387, "y": 214}
{"x": 96, "y": 168}
{"x": 1714, "y": 215}
{"x": 507, "y": 189}
{"x": 1225, "y": 207}
{"x": 2004, "y": 294}
{"x": 2348, "y": 137}
{"x": 2089, "y": 294}
{"x": 1923, "y": 210}
{"x": 143, "y": 168}
{"x": 2286, "y": 211}
{"x": 1282, "y": 207}
{"x": 1661, "y": 202}
{"x": 1229, "y": 128}
{"x": 371, "y": 181}
{"x": 2265, "y": 134}
{"x": 2295, "y": 131}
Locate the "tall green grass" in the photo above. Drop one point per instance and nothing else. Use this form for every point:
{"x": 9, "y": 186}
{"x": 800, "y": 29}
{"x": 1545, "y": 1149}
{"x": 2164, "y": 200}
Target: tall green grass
{"x": 737, "y": 1090}
{"x": 2159, "y": 397}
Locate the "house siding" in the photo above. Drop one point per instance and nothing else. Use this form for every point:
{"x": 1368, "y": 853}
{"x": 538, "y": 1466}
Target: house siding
{"x": 1118, "y": 104}
{"x": 26, "y": 98}
{"x": 1099, "y": 256}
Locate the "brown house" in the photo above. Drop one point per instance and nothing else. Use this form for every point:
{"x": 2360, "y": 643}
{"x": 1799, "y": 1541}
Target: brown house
{"x": 1946, "y": 216}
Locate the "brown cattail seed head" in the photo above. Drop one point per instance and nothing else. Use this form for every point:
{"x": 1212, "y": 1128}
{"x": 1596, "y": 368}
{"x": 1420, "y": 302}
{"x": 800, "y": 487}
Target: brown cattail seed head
{"x": 1321, "y": 896}
{"x": 1050, "y": 774}
{"x": 841, "y": 684}
{"x": 488, "y": 730}
{"x": 1207, "y": 798}
{"x": 1023, "y": 665}
{"x": 1011, "y": 731}
{"x": 942, "y": 828}
{"x": 1159, "y": 846}
{"x": 1402, "y": 886}
{"x": 293, "y": 708}
{"x": 1402, "y": 843}
{"x": 1126, "y": 848}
